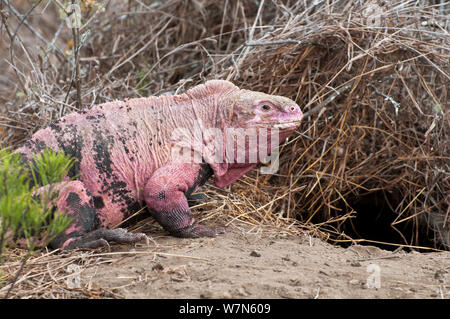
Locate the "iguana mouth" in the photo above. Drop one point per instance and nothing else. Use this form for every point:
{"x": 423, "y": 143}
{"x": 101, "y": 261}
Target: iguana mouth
{"x": 286, "y": 125}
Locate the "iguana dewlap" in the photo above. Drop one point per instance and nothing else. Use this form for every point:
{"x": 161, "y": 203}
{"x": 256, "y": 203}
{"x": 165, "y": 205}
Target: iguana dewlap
{"x": 124, "y": 153}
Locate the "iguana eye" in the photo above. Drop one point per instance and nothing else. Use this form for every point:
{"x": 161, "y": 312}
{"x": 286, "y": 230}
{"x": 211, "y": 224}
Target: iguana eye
{"x": 265, "y": 107}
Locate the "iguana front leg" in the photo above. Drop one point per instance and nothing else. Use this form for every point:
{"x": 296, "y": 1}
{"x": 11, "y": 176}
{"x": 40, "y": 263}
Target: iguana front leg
{"x": 165, "y": 195}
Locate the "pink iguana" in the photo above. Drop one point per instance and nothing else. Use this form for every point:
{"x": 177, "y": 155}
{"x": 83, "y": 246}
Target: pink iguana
{"x": 123, "y": 151}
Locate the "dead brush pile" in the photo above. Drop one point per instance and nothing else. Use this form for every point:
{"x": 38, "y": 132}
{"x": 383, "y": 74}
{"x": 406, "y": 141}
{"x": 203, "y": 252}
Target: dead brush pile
{"x": 372, "y": 155}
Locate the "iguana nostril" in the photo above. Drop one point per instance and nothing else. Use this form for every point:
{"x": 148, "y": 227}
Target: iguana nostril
{"x": 293, "y": 108}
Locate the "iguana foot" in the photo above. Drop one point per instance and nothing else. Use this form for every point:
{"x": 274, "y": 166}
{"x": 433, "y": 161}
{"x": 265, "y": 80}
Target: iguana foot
{"x": 198, "y": 230}
{"x": 181, "y": 223}
{"x": 102, "y": 237}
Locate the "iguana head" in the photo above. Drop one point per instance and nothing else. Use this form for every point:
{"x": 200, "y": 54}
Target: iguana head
{"x": 255, "y": 118}
{"x": 246, "y": 121}
{"x": 260, "y": 110}
{"x": 245, "y": 108}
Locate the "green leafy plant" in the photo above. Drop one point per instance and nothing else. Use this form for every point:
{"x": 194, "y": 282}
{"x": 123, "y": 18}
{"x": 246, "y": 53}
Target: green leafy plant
{"x": 27, "y": 192}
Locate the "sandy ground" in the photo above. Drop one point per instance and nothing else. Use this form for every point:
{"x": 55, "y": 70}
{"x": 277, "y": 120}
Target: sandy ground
{"x": 249, "y": 263}
{"x": 263, "y": 265}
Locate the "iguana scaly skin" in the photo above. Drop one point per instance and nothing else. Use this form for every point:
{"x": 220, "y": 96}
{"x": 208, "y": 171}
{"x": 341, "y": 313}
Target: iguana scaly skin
{"x": 125, "y": 161}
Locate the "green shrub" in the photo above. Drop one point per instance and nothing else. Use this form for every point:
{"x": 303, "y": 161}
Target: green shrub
{"x": 26, "y": 210}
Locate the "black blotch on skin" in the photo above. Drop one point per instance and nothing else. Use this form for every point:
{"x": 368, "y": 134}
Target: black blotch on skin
{"x": 71, "y": 144}
{"x": 132, "y": 207}
{"x": 95, "y": 118}
{"x": 36, "y": 146}
{"x": 98, "y": 202}
{"x": 127, "y": 137}
{"x": 83, "y": 216}
{"x": 70, "y": 141}
{"x": 102, "y": 152}
{"x": 111, "y": 185}
{"x": 118, "y": 185}
{"x": 55, "y": 127}
{"x": 130, "y": 210}
{"x": 205, "y": 171}
{"x": 161, "y": 195}
{"x": 125, "y": 140}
